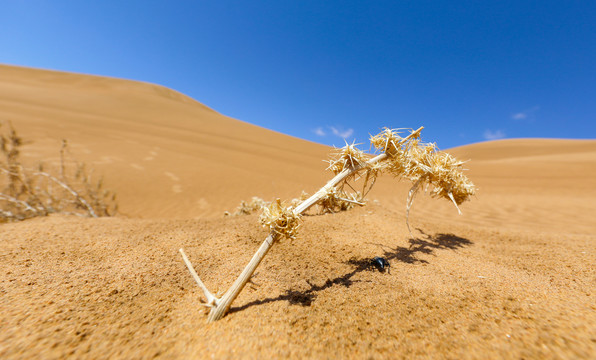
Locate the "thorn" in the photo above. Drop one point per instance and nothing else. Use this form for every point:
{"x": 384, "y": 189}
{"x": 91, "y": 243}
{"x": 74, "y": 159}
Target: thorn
{"x": 210, "y": 298}
{"x": 410, "y": 201}
{"x": 352, "y": 201}
{"x": 454, "y": 203}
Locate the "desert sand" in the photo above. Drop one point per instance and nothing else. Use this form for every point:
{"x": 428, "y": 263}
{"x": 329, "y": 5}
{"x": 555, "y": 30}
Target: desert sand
{"x": 513, "y": 277}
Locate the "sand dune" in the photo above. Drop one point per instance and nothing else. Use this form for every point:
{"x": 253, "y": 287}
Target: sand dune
{"x": 513, "y": 277}
{"x": 147, "y": 139}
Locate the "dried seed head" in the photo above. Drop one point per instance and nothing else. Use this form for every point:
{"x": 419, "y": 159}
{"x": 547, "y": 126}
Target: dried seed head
{"x": 440, "y": 170}
{"x": 448, "y": 179}
{"x": 280, "y": 219}
{"x": 338, "y": 200}
{"x": 347, "y": 157}
{"x": 389, "y": 141}
{"x": 422, "y": 164}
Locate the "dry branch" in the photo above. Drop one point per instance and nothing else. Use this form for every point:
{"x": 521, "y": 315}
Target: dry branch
{"x": 404, "y": 157}
{"x": 70, "y": 190}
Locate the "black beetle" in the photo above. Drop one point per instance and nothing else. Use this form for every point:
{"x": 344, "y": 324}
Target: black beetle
{"x": 380, "y": 263}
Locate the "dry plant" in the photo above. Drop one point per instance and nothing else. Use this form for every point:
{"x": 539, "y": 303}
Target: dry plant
{"x": 247, "y": 208}
{"x": 334, "y": 202}
{"x": 31, "y": 192}
{"x": 404, "y": 157}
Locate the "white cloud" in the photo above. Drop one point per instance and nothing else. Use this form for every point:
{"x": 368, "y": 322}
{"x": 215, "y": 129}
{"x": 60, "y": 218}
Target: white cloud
{"x": 341, "y": 132}
{"x": 319, "y": 131}
{"x": 519, "y": 116}
{"x": 526, "y": 114}
{"x": 494, "y": 135}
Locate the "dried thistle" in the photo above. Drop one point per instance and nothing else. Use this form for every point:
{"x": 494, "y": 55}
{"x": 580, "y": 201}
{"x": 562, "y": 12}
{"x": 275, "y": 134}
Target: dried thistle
{"x": 348, "y": 157}
{"x": 391, "y": 143}
{"x": 423, "y": 164}
{"x": 337, "y": 200}
{"x": 404, "y": 157}
{"x": 280, "y": 219}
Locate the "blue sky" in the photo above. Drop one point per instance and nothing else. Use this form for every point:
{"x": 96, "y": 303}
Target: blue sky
{"x": 468, "y": 71}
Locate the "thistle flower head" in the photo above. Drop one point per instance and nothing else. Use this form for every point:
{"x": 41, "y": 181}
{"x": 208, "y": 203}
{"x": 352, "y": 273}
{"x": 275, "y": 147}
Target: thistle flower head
{"x": 348, "y": 157}
{"x": 280, "y": 219}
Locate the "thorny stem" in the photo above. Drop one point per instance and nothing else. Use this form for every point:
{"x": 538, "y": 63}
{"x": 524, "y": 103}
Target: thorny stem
{"x": 219, "y": 307}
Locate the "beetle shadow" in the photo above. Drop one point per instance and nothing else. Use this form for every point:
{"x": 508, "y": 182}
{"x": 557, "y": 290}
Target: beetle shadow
{"x": 426, "y": 245}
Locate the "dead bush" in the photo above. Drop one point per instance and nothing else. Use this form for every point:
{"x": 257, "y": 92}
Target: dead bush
{"x": 67, "y": 187}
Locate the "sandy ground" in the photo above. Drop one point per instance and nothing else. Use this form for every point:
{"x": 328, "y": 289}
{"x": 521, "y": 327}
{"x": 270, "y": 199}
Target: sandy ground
{"x": 513, "y": 277}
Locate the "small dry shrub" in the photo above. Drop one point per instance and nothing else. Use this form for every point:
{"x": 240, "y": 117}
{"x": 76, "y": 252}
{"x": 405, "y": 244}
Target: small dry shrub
{"x": 404, "y": 157}
{"x": 29, "y": 192}
{"x": 247, "y": 208}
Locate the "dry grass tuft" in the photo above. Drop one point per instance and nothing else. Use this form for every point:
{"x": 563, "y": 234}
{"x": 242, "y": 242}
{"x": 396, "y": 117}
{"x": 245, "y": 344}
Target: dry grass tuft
{"x": 281, "y": 219}
{"x": 247, "y": 208}
{"x": 28, "y": 192}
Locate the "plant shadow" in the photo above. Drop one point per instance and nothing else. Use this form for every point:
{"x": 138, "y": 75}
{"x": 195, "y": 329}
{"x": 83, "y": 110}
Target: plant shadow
{"x": 427, "y": 244}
